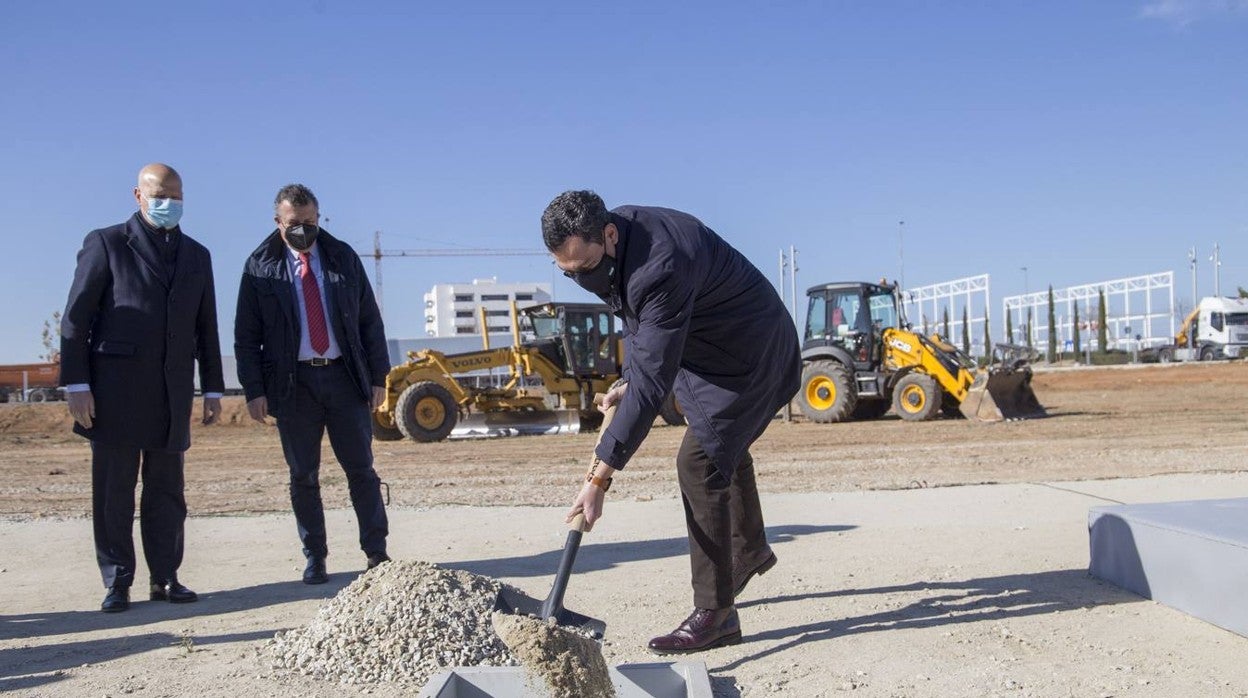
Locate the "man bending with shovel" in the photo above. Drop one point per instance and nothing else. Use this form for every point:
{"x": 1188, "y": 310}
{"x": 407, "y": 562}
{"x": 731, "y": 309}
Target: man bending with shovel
{"x": 702, "y": 321}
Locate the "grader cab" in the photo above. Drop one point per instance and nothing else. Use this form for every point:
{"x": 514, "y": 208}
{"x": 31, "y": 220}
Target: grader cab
{"x": 860, "y": 359}
{"x": 561, "y": 355}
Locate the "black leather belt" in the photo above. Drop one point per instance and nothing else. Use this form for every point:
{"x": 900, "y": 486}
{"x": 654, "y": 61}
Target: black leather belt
{"x": 319, "y": 361}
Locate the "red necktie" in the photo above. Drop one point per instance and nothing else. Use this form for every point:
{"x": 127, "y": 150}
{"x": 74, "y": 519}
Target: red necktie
{"x": 312, "y": 304}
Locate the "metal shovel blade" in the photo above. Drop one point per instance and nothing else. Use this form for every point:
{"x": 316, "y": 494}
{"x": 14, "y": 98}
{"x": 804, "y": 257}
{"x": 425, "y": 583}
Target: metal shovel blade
{"x": 513, "y": 601}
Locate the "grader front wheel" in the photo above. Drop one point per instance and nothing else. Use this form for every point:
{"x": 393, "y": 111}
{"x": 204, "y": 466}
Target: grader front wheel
{"x": 384, "y": 428}
{"x": 426, "y": 412}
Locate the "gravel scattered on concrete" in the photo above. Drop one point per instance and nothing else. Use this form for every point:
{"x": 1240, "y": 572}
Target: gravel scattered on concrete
{"x": 400, "y": 622}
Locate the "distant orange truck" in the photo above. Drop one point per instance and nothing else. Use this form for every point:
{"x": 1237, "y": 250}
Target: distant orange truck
{"x": 39, "y": 381}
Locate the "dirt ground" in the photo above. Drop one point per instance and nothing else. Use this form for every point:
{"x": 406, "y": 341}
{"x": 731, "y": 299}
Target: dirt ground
{"x": 1104, "y": 423}
{"x": 891, "y": 582}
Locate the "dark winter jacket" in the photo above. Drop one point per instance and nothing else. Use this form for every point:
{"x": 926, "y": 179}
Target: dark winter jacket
{"x": 266, "y": 325}
{"x": 133, "y": 328}
{"x": 699, "y": 318}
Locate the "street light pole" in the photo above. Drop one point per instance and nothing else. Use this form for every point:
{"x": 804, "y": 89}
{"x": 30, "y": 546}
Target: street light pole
{"x": 901, "y": 254}
{"x": 1191, "y": 258}
{"x": 1217, "y": 275}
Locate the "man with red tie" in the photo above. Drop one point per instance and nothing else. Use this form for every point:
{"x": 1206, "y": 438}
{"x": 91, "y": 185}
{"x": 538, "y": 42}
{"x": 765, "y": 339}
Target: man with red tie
{"x": 311, "y": 352}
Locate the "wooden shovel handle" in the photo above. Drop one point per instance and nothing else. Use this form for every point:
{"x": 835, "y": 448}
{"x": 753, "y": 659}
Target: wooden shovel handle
{"x": 578, "y": 521}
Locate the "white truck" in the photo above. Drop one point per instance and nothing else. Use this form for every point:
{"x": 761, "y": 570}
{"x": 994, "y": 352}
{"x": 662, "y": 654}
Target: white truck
{"x": 1216, "y": 329}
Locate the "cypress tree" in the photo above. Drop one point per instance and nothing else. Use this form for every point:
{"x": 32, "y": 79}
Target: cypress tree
{"x": 1075, "y": 333}
{"x": 1009, "y": 328}
{"x": 1052, "y": 328}
{"x": 1028, "y": 329}
{"x": 987, "y": 342}
{"x": 1102, "y": 332}
{"x": 966, "y": 332}
{"x": 945, "y": 320}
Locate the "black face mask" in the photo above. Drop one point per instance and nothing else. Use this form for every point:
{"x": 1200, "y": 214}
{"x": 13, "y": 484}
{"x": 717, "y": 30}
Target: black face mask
{"x": 302, "y": 236}
{"x": 600, "y": 280}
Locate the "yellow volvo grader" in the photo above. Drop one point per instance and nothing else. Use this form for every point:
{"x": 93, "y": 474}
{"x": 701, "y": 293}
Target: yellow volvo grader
{"x": 860, "y": 358}
{"x": 570, "y": 352}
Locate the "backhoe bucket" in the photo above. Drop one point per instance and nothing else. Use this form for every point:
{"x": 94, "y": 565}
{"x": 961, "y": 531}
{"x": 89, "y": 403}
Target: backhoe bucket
{"x": 491, "y": 425}
{"x": 1000, "y": 394}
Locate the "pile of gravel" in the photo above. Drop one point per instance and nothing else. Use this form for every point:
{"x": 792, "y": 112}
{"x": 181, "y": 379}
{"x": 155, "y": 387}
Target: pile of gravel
{"x": 400, "y": 622}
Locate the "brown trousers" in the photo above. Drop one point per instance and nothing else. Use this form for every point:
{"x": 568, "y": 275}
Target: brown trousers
{"x": 724, "y": 519}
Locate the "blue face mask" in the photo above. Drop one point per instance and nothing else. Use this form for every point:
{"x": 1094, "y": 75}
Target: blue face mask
{"x": 164, "y": 213}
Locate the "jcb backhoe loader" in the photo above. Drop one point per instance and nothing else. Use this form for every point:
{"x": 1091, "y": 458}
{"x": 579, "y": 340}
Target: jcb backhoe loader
{"x": 571, "y": 353}
{"x": 861, "y": 358}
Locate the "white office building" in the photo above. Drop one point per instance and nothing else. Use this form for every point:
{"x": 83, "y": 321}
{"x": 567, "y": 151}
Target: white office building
{"x": 451, "y": 309}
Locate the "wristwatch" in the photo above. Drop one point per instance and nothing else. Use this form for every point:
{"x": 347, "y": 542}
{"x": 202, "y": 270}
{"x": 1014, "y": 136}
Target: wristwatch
{"x": 598, "y": 482}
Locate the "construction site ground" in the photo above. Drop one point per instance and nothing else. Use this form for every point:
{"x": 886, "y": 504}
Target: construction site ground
{"x": 940, "y": 558}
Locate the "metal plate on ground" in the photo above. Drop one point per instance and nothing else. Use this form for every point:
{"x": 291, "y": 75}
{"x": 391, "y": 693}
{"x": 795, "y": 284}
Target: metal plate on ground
{"x": 657, "y": 680}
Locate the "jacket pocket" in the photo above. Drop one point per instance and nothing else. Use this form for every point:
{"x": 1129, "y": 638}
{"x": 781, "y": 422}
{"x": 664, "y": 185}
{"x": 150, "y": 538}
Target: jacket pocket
{"x": 112, "y": 347}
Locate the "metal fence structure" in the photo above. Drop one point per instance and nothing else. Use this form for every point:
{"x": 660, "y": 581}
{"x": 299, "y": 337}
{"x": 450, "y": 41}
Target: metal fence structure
{"x": 926, "y": 306}
{"x": 1139, "y": 312}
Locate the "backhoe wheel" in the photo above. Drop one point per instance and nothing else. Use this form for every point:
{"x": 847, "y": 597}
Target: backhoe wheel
{"x": 1165, "y": 356}
{"x": 671, "y": 413}
{"x": 917, "y": 398}
{"x": 827, "y": 393}
{"x": 384, "y": 428}
{"x": 871, "y": 409}
{"x": 426, "y": 412}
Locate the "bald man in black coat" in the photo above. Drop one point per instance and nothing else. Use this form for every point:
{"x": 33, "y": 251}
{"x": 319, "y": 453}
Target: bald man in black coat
{"x": 141, "y": 312}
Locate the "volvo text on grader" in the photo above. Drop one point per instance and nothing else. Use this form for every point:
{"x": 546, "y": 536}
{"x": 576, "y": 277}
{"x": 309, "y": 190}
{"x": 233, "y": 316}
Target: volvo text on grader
{"x": 860, "y": 359}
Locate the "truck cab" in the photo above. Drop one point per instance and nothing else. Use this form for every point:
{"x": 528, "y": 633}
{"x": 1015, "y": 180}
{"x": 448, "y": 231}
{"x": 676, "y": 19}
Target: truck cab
{"x": 1216, "y": 329}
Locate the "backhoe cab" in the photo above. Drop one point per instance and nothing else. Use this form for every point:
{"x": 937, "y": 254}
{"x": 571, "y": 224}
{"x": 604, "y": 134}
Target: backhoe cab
{"x": 861, "y": 359}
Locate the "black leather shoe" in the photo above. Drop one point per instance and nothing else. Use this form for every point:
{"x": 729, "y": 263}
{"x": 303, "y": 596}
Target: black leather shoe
{"x": 173, "y": 592}
{"x": 702, "y": 630}
{"x": 376, "y": 559}
{"x": 742, "y": 574}
{"x": 116, "y": 600}
{"x": 315, "y": 572}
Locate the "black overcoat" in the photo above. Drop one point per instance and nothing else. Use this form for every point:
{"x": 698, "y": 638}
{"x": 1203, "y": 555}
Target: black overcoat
{"x": 134, "y": 336}
{"x": 699, "y": 318}
{"x": 266, "y": 324}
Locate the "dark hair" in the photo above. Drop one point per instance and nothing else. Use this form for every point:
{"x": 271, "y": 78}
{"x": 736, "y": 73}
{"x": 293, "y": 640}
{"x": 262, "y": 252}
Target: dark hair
{"x": 296, "y": 194}
{"x": 579, "y": 213}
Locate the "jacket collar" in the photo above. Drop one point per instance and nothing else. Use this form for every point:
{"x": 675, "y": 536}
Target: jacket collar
{"x": 141, "y": 238}
{"x": 272, "y": 254}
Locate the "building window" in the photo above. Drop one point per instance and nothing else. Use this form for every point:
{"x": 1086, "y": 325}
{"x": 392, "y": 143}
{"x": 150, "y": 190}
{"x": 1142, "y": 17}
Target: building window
{"x": 464, "y": 298}
{"x": 465, "y": 330}
{"x": 463, "y": 313}
{"x": 524, "y": 296}
{"x": 494, "y": 297}
{"x": 498, "y": 313}
{"x": 500, "y": 329}
{"x": 430, "y": 318}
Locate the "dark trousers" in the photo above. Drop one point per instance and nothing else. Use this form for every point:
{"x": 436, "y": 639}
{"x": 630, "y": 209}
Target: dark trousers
{"x": 162, "y": 511}
{"x": 724, "y": 519}
{"x": 328, "y": 400}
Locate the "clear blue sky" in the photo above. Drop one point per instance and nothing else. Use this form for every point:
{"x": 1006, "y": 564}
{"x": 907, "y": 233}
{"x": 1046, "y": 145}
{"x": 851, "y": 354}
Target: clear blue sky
{"x": 1084, "y": 140}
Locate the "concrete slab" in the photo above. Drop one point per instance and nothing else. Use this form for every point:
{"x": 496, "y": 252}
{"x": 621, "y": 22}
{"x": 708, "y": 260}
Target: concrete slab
{"x": 1189, "y": 555}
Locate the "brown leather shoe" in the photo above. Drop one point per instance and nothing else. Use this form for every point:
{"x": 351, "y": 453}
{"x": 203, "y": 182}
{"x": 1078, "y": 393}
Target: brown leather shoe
{"x": 741, "y": 574}
{"x": 704, "y": 629}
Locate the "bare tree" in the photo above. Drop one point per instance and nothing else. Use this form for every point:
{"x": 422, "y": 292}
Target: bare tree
{"x": 51, "y": 338}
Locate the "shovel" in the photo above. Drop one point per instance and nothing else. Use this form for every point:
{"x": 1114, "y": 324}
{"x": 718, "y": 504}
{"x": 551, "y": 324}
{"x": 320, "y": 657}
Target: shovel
{"x": 514, "y": 601}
